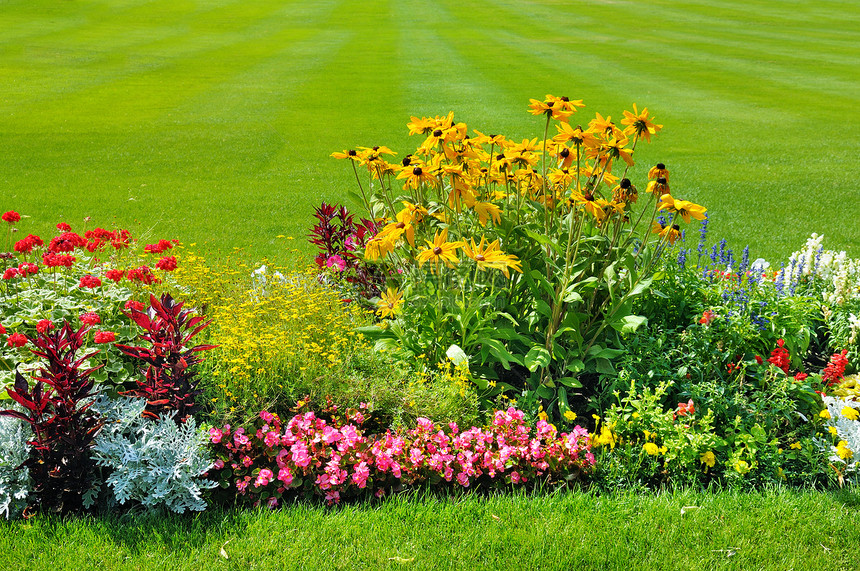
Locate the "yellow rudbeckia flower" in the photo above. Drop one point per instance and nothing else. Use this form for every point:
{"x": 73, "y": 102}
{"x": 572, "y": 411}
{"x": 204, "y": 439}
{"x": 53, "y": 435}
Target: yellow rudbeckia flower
{"x": 440, "y": 250}
{"x": 390, "y": 302}
{"x": 684, "y": 208}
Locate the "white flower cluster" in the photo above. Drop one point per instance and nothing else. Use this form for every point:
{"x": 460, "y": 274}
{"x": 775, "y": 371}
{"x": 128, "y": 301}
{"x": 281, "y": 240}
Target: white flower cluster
{"x": 847, "y": 431}
{"x": 841, "y": 273}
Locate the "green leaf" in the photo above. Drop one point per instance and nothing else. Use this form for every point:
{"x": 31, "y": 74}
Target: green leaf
{"x": 498, "y": 350}
{"x": 605, "y": 353}
{"x": 571, "y": 296}
{"x": 372, "y": 332}
{"x": 758, "y": 433}
{"x": 641, "y": 287}
{"x": 536, "y": 358}
{"x": 545, "y": 392}
{"x": 605, "y": 367}
{"x": 544, "y": 309}
{"x": 537, "y": 280}
{"x": 571, "y": 382}
{"x": 629, "y": 323}
{"x": 575, "y": 366}
{"x": 544, "y": 240}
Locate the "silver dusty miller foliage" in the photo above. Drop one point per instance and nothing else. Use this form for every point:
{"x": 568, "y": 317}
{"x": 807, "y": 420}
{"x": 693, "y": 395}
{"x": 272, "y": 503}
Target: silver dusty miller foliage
{"x": 154, "y": 462}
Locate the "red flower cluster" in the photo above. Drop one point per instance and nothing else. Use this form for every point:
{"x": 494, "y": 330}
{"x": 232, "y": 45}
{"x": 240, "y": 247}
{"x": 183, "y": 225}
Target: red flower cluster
{"x": 707, "y": 317}
{"x": 835, "y": 369}
{"x": 98, "y": 238}
{"x": 132, "y": 305}
{"x": 779, "y": 357}
{"x": 115, "y": 275}
{"x": 44, "y": 325}
{"x": 27, "y": 269}
{"x": 2, "y": 329}
{"x": 104, "y": 337}
{"x": 162, "y": 246}
{"x": 66, "y": 242}
{"x": 90, "y": 318}
{"x": 90, "y": 282}
{"x": 11, "y": 217}
{"x": 62, "y": 226}
{"x": 22, "y": 271}
{"x": 167, "y": 263}
{"x": 143, "y": 274}
{"x": 52, "y": 260}
{"x": 685, "y": 409}
{"x": 26, "y": 245}
{"x": 16, "y": 340}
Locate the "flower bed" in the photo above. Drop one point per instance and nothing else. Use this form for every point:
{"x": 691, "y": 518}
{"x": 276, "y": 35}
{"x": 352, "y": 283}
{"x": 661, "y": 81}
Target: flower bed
{"x": 523, "y": 291}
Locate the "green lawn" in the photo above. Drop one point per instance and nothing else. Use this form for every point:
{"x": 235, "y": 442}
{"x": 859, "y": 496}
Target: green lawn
{"x": 212, "y": 120}
{"x": 766, "y": 530}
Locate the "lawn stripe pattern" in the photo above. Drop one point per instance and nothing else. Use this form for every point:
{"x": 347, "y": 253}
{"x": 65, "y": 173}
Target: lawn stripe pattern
{"x": 214, "y": 119}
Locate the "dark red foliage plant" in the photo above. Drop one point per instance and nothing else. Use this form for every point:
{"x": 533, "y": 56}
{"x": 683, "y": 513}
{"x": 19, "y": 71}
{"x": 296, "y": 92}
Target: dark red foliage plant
{"x": 338, "y": 236}
{"x": 169, "y": 379}
{"x": 57, "y": 408}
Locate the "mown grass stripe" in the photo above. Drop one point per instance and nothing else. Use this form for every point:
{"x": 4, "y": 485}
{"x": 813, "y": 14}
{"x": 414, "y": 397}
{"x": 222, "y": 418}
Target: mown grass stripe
{"x": 212, "y": 103}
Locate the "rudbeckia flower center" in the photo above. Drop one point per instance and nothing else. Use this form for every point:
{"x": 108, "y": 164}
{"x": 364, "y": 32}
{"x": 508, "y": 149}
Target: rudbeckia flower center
{"x": 661, "y": 166}
{"x": 625, "y": 183}
{"x": 565, "y": 152}
{"x": 406, "y": 161}
{"x": 417, "y": 171}
{"x": 437, "y": 133}
{"x": 352, "y": 152}
{"x": 437, "y": 251}
{"x": 480, "y": 257}
{"x": 400, "y": 225}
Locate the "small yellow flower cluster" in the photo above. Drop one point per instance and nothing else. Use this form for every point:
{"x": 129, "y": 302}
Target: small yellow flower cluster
{"x": 270, "y": 330}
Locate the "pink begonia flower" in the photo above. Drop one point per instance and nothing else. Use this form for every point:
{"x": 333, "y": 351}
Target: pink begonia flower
{"x": 463, "y": 479}
{"x": 216, "y": 435}
{"x": 218, "y": 464}
{"x": 332, "y": 497}
{"x": 331, "y": 435}
{"x": 323, "y": 481}
{"x": 285, "y": 476}
{"x": 272, "y": 439}
{"x": 272, "y": 502}
{"x": 300, "y": 454}
{"x": 246, "y": 461}
{"x": 267, "y": 417}
{"x": 425, "y": 424}
{"x": 337, "y": 262}
{"x": 362, "y": 472}
{"x": 263, "y": 478}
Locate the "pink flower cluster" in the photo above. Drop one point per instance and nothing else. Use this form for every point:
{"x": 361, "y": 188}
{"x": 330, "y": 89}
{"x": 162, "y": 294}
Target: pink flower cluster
{"x": 337, "y": 460}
